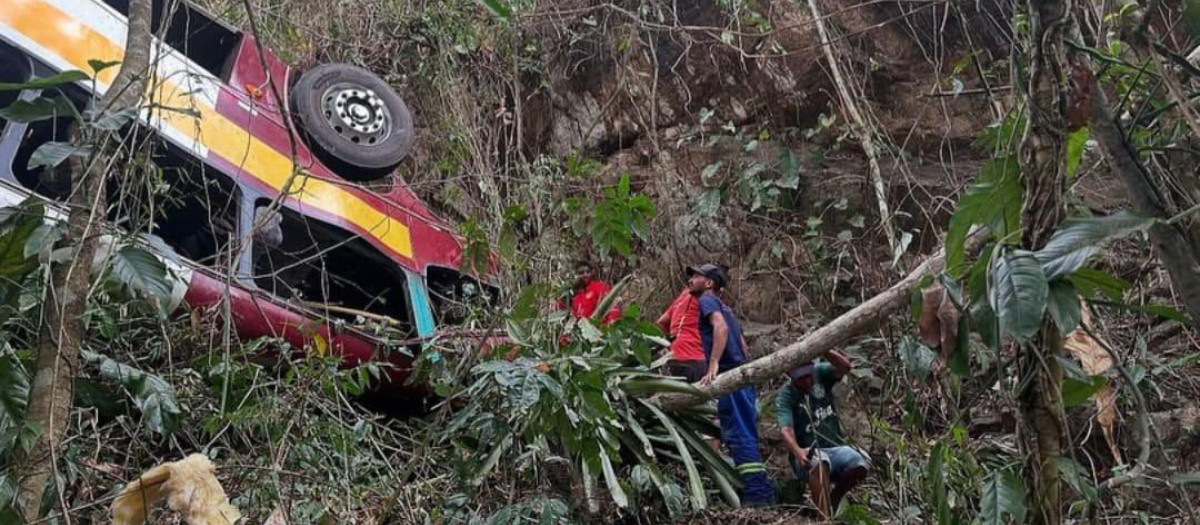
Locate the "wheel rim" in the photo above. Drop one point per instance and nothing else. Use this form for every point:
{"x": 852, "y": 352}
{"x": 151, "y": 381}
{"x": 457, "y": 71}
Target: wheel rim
{"x": 356, "y": 114}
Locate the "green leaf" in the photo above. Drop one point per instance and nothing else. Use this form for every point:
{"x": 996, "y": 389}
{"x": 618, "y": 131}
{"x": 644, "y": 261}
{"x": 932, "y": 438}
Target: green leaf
{"x": 589, "y": 331}
{"x": 994, "y": 200}
{"x": 43, "y": 237}
{"x": 14, "y": 391}
{"x": 717, "y": 465}
{"x": 960, "y": 359}
{"x": 1064, "y": 306}
{"x": 610, "y": 478}
{"x": 982, "y": 315}
{"x": 1076, "y": 392}
{"x": 1078, "y": 478}
{"x": 497, "y": 7}
{"x": 1003, "y": 499}
{"x": 18, "y": 230}
{"x": 916, "y": 357}
{"x": 490, "y": 461}
{"x": 1002, "y": 136}
{"x": 645, "y": 387}
{"x": 710, "y": 171}
{"x": 606, "y": 303}
{"x": 935, "y": 480}
{"x": 100, "y": 65}
{"x": 709, "y": 203}
{"x": 1077, "y": 239}
{"x": 112, "y": 120}
{"x": 699, "y": 497}
{"x": 51, "y": 154}
{"x": 41, "y": 108}
{"x": 61, "y": 79}
{"x": 1091, "y": 283}
{"x": 507, "y": 244}
{"x": 1191, "y": 18}
{"x": 152, "y": 394}
{"x": 1019, "y": 294}
{"x": 1076, "y": 141}
{"x": 143, "y": 273}
{"x": 789, "y": 170}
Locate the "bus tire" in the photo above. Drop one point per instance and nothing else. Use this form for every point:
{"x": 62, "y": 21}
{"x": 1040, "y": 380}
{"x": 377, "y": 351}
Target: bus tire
{"x": 352, "y": 120}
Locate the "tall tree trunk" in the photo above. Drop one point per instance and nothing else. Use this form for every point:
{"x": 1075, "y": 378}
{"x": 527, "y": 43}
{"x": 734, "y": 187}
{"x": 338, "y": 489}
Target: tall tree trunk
{"x": 62, "y": 330}
{"x": 1177, "y": 245}
{"x": 1043, "y": 429}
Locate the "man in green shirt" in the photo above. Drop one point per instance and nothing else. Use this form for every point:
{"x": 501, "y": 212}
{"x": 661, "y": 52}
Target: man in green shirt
{"x": 809, "y": 423}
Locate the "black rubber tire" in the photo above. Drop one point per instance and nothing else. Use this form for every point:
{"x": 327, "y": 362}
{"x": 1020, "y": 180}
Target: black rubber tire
{"x": 359, "y": 162}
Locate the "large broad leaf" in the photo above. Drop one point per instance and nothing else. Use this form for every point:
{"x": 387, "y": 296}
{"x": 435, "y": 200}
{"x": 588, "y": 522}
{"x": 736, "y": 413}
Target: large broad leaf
{"x": 1161, "y": 310}
{"x": 61, "y": 79}
{"x": 1064, "y": 305}
{"x": 14, "y": 391}
{"x": 22, "y": 222}
{"x": 935, "y": 483}
{"x": 610, "y": 478}
{"x": 1077, "y": 477}
{"x": 982, "y": 315}
{"x": 1019, "y": 294}
{"x": 718, "y": 466}
{"x": 916, "y": 357}
{"x": 1076, "y": 392}
{"x": 153, "y": 395}
{"x": 51, "y": 154}
{"x": 650, "y": 386}
{"x": 1077, "y": 239}
{"x": 960, "y": 359}
{"x": 112, "y": 119}
{"x": 41, "y": 108}
{"x": 1003, "y": 500}
{"x": 699, "y": 497}
{"x": 142, "y": 272}
{"x": 1091, "y": 283}
{"x": 1078, "y": 386}
{"x": 994, "y": 200}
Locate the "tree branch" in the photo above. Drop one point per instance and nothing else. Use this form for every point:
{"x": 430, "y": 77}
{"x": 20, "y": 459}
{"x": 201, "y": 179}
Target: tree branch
{"x": 859, "y": 320}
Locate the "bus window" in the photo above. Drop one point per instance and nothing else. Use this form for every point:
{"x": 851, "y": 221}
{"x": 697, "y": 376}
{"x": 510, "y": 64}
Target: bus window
{"x": 198, "y": 35}
{"x": 330, "y": 270}
{"x": 454, "y": 294}
{"x": 52, "y": 183}
{"x": 197, "y": 214}
{"x": 14, "y": 69}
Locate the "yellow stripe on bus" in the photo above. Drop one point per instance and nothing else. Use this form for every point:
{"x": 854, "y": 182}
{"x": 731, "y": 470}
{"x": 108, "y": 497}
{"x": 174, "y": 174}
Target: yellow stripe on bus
{"x": 77, "y": 43}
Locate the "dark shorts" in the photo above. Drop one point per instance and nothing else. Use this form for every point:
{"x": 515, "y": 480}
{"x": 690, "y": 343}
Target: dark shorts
{"x": 690, "y": 371}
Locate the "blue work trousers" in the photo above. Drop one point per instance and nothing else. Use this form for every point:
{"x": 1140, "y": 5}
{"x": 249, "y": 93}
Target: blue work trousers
{"x": 739, "y": 432}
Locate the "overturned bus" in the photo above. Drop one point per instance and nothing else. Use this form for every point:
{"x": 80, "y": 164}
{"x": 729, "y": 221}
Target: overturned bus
{"x": 241, "y": 140}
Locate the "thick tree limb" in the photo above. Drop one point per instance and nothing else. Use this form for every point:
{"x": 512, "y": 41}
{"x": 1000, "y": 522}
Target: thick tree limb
{"x": 62, "y": 326}
{"x": 859, "y": 320}
{"x": 1170, "y": 241}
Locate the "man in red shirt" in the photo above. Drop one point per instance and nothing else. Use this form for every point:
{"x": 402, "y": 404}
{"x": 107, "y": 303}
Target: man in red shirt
{"x": 681, "y": 323}
{"x": 589, "y": 291}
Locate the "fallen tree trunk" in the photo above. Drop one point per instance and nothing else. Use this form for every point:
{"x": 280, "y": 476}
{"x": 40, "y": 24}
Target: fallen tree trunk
{"x": 859, "y": 320}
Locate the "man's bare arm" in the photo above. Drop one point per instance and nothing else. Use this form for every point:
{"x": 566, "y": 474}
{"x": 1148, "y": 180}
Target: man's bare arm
{"x": 789, "y": 439}
{"x": 841, "y": 364}
{"x": 720, "y": 336}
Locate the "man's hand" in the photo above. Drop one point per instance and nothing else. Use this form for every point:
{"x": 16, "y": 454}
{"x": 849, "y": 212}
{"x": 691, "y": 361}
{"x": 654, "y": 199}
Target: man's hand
{"x": 708, "y": 376}
{"x": 802, "y": 456}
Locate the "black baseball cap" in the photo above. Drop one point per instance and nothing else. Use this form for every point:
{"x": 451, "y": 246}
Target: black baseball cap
{"x": 712, "y": 271}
